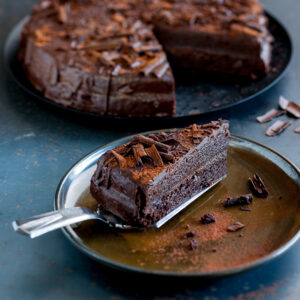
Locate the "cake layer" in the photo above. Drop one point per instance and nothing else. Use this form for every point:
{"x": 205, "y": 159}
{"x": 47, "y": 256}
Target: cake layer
{"x": 146, "y": 178}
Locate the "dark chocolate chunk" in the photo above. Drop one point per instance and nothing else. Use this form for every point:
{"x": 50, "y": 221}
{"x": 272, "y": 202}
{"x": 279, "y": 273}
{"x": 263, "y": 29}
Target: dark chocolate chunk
{"x": 277, "y": 127}
{"x": 190, "y": 234}
{"x": 245, "y": 208}
{"x": 214, "y": 249}
{"x": 257, "y": 186}
{"x": 238, "y": 200}
{"x": 271, "y": 114}
{"x": 235, "y": 227}
{"x": 207, "y": 219}
{"x": 193, "y": 245}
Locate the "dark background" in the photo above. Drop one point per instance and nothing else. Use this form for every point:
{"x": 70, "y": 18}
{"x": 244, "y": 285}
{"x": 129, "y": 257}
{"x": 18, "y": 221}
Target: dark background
{"x": 37, "y": 146}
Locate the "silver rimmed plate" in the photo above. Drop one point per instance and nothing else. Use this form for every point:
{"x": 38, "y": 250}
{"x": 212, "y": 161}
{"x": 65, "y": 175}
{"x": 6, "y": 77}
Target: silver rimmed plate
{"x": 271, "y": 227}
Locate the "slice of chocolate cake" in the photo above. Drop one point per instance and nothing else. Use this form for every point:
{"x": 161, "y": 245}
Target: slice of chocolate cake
{"x": 145, "y": 179}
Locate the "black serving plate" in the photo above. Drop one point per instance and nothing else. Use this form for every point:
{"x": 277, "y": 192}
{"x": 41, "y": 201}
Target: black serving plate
{"x": 196, "y": 94}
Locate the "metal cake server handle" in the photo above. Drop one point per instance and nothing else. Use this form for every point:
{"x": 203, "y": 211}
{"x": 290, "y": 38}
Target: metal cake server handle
{"x": 41, "y": 224}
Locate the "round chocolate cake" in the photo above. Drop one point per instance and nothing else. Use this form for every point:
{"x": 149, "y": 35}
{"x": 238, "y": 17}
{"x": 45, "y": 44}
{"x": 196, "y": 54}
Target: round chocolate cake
{"x": 110, "y": 57}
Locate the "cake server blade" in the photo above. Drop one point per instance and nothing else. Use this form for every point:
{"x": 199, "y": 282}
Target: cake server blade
{"x": 41, "y": 224}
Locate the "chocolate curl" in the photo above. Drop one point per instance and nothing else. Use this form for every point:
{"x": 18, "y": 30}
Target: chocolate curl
{"x": 152, "y": 64}
{"x": 291, "y": 107}
{"x": 63, "y": 12}
{"x": 277, "y": 127}
{"x": 103, "y": 45}
{"x": 167, "y": 156}
{"x": 149, "y": 142}
{"x": 149, "y": 47}
{"x": 139, "y": 152}
{"x": 154, "y": 154}
{"x": 271, "y": 114}
{"x": 258, "y": 187}
{"x": 121, "y": 160}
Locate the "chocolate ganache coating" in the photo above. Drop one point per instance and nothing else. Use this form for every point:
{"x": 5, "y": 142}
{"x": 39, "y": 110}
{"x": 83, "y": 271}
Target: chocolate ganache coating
{"x": 109, "y": 56}
{"x": 145, "y": 179}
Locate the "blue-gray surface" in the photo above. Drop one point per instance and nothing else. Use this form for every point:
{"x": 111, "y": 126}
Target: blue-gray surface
{"x": 37, "y": 146}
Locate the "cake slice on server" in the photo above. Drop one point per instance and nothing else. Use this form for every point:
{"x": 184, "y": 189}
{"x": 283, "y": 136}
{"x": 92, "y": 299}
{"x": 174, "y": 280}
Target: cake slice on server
{"x": 149, "y": 177}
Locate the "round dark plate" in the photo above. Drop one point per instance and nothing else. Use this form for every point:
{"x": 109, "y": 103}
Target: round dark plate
{"x": 271, "y": 227}
{"x": 196, "y": 94}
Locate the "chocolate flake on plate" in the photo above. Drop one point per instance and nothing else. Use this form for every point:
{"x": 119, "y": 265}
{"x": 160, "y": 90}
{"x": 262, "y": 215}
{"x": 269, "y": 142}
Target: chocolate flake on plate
{"x": 235, "y": 227}
{"x": 271, "y": 114}
{"x": 277, "y": 127}
{"x": 190, "y": 234}
{"x": 238, "y": 200}
{"x": 207, "y": 219}
{"x": 291, "y": 107}
{"x": 245, "y": 208}
{"x": 257, "y": 186}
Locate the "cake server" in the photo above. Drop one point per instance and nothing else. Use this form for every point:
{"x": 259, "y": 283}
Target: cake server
{"x": 43, "y": 223}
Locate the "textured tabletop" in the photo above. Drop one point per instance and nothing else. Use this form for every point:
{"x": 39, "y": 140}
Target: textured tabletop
{"x": 38, "y": 145}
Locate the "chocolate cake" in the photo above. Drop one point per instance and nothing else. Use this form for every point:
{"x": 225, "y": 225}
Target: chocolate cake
{"x": 145, "y": 179}
{"x": 109, "y": 56}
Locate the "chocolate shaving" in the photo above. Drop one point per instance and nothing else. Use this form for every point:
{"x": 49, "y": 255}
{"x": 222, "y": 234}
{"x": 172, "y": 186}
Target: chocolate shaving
{"x": 257, "y": 186}
{"x": 103, "y": 45}
{"x": 268, "y": 116}
{"x": 245, "y": 208}
{"x": 154, "y": 137}
{"x": 152, "y": 64}
{"x": 235, "y": 227}
{"x": 291, "y": 107}
{"x": 121, "y": 160}
{"x": 161, "y": 70}
{"x": 193, "y": 245}
{"x": 149, "y": 142}
{"x": 154, "y": 154}
{"x": 167, "y": 157}
{"x": 149, "y": 47}
{"x": 139, "y": 152}
{"x": 63, "y": 13}
{"x": 277, "y": 127}
{"x": 238, "y": 200}
{"x": 207, "y": 219}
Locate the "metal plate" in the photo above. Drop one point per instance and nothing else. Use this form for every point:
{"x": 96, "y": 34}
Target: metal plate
{"x": 272, "y": 226}
{"x": 196, "y": 94}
